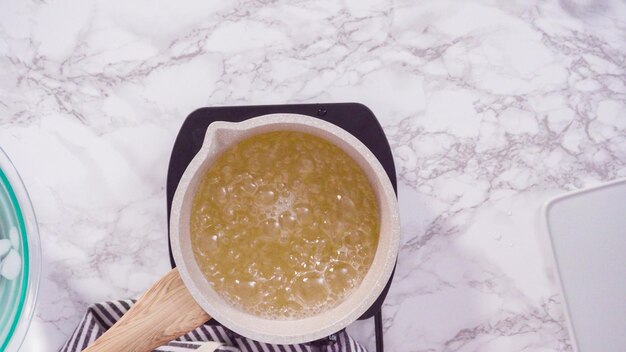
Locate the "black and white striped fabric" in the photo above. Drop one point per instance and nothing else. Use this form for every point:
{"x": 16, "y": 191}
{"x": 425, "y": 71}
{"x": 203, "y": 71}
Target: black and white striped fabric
{"x": 101, "y": 316}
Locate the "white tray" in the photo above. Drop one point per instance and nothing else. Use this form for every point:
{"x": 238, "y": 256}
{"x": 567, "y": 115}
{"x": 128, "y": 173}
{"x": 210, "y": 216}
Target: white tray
{"x": 587, "y": 230}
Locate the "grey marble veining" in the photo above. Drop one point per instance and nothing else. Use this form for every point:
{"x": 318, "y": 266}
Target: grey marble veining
{"x": 491, "y": 107}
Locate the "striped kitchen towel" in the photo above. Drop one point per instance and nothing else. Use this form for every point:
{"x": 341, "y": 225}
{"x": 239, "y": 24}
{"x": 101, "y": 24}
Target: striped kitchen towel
{"x": 206, "y": 338}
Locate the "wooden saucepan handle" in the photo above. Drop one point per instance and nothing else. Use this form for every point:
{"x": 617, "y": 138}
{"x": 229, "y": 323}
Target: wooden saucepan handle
{"x": 164, "y": 312}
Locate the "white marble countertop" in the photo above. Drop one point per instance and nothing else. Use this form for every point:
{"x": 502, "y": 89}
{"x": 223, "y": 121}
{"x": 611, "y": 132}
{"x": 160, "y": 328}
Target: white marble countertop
{"x": 490, "y": 107}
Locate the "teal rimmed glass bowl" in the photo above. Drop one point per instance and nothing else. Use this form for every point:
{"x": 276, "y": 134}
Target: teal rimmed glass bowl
{"x": 18, "y": 296}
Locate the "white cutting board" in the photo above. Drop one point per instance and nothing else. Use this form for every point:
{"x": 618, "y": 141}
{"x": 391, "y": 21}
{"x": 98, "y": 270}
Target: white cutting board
{"x": 588, "y": 233}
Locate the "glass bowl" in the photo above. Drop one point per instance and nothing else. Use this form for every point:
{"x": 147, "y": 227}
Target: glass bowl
{"x": 17, "y": 296}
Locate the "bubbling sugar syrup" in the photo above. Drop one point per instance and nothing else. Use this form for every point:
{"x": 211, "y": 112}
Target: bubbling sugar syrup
{"x": 284, "y": 225}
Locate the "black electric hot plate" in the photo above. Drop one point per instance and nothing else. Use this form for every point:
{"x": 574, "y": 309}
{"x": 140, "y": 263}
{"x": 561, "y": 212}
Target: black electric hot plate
{"x": 352, "y": 117}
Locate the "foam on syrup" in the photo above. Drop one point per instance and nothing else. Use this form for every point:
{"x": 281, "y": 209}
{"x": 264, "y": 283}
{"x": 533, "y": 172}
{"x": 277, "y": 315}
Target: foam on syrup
{"x": 284, "y": 225}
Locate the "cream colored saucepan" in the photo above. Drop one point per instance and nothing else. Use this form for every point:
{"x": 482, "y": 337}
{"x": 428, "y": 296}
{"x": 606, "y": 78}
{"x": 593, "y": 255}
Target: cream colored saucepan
{"x": 183, "y": 299}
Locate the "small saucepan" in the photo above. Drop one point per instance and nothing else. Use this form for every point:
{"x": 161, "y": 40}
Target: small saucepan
{"x": 183, "y": 299}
